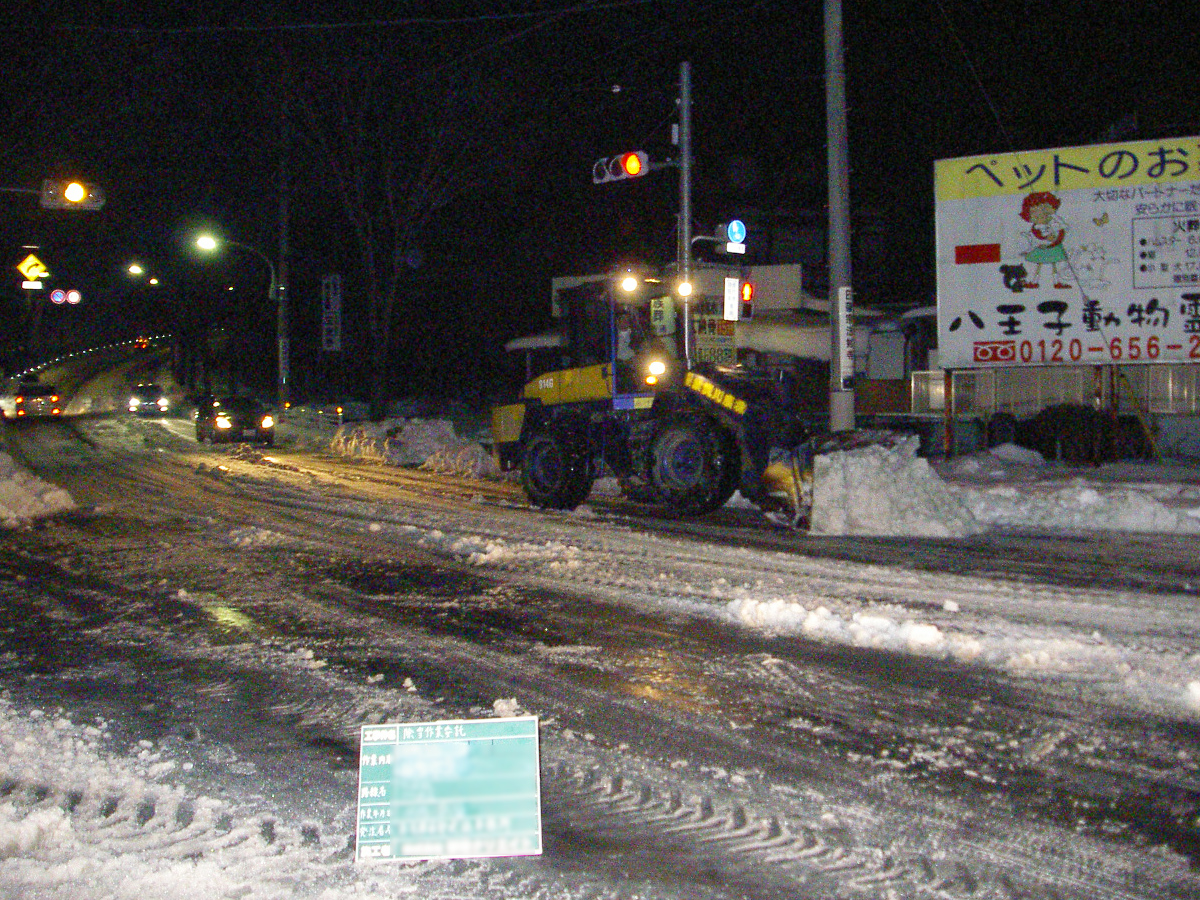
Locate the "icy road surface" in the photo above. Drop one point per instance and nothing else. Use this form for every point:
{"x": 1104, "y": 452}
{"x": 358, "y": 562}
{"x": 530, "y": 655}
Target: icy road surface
{"x": 727, "y": 711}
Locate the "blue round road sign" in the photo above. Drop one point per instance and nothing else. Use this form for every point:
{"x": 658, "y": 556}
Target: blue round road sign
{"x": 735, "y": 231}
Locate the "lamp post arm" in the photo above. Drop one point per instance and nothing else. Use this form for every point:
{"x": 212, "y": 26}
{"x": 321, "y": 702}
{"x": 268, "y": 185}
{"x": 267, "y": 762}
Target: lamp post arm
{"x": 260, "y": 255}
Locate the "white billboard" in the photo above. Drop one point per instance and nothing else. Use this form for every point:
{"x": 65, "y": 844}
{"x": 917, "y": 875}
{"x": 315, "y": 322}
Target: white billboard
{"x": 1079, "y": 255}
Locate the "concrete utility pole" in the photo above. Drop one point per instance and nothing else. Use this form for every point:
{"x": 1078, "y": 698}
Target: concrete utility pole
{"x": 283, "y": 338}
{"x": 685, "y": 202}
{"x": 841, "y": 360}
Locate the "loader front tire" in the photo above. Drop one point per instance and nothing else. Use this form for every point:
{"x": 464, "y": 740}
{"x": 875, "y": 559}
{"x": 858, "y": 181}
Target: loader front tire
{"x": 693, "y": 465}
{"x": 556, "y": 470}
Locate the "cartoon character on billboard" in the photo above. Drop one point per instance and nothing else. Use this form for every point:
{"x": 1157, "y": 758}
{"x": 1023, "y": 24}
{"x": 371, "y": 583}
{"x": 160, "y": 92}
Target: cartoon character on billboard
{"x": 1048, "y": 232}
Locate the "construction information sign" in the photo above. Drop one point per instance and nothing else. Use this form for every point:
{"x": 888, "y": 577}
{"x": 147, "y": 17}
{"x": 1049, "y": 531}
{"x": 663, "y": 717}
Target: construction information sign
{"x": 1075, "y": 256}
{"x": 449, "y": 790}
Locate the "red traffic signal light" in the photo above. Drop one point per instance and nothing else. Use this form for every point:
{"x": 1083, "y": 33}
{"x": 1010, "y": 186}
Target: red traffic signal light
{"x": 633, "y": 164}
{"x": 747, "y": 298}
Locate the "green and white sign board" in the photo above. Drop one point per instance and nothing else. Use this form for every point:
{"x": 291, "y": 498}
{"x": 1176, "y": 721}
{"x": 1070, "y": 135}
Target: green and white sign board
{"x": 449, "y": 790}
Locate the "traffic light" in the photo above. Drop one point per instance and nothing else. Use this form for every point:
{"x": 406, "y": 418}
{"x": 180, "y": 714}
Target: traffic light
{"x": 633, "y": 164}
{"x": 747, "y": 300}
{"x": 70, "y": 195}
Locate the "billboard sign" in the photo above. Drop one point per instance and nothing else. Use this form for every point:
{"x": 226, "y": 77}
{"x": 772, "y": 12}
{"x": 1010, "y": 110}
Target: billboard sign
{"x": 448, "y": 790}
{"x": 1073, "y": 256}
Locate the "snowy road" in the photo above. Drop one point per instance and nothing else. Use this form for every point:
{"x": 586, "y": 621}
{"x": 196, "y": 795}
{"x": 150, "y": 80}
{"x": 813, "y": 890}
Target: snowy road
{"x": 727, "y": 711}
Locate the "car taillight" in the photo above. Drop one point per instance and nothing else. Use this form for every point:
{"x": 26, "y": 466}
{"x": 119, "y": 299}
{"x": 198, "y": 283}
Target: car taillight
{"x": 54, "y": 398}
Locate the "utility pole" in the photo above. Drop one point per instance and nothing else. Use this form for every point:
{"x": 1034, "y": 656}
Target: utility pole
{"x": 281, "y": 298}
{"x": 684, "y": 251}
{"x": 841, "y": 360}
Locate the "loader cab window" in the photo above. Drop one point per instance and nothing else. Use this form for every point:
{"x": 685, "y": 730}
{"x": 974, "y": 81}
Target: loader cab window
{"x": 585, "y": 310}
{"x": 639, "y": 338}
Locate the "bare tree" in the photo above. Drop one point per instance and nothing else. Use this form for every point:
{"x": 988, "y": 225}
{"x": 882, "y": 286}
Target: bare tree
{"x": 398, "y": 149}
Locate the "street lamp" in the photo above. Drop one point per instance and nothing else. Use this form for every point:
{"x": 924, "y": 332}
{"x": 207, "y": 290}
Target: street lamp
{"x": 209, "y": 244}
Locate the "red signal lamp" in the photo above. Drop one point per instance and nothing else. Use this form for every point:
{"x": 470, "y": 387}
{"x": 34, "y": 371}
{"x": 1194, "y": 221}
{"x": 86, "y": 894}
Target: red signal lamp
{"x": 633, "y": 164}
{"x": 747, "y": 300}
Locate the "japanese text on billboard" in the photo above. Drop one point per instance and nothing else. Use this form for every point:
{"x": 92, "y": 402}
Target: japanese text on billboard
{"x": 1080, "y": 255}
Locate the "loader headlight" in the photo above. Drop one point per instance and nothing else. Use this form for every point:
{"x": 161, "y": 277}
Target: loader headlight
{"x": 223, "y": 422}
{"x": 267, "y": 422}
{"x": 655, "y": 369}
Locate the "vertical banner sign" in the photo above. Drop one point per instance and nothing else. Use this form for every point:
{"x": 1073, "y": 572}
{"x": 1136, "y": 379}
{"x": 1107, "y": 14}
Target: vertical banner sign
{"x": 449, "y": 790}
{"x": 1081, "y": 255}
{"x": 733, "y": 299}
{"x": 845, "y": 342}
{"x": 331, "y": 313}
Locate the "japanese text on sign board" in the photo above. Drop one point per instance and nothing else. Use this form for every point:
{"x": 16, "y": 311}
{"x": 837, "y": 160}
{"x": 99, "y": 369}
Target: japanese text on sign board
{"x": 1081, "y": 255}
{"x": 449, "y": 790}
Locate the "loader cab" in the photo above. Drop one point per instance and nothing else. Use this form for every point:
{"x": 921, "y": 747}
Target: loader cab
{"x": 630, "y": 331}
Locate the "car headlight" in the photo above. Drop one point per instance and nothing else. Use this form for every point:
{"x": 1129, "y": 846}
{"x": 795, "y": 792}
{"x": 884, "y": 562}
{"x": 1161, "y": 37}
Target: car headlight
{"x": 267, "y": 422}
{"x": 134, "y": 402}
{"x": 223, "y": 422}
{"x": 163, "y": 403}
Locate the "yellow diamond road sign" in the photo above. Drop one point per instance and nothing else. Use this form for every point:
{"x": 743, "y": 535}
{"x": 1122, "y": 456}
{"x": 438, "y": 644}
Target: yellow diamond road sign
{"x": 33, "y": 270}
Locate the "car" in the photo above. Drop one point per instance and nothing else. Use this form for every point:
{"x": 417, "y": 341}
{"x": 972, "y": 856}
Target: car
{"x": 31, "y": 399}
{"x": 148, "y": 400}
{"x": 226, "y": 419}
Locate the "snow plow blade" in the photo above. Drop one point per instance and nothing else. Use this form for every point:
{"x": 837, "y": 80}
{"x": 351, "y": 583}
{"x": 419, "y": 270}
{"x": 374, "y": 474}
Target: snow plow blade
{"x": 788, "y": 478}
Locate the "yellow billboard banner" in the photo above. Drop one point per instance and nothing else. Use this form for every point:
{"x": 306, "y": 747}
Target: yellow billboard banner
{"x": 1160, "y": 170}
{"x": 1075, "y": 256}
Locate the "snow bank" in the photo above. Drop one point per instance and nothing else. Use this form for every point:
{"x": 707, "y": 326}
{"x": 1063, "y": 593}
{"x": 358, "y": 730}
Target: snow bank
{"x": 429, "y": 443}
{"x": 24, "y": 496}
{"x": 1079, "y": 505}
{"x": 878, "y": 490}
{"x": 883, "y": 491}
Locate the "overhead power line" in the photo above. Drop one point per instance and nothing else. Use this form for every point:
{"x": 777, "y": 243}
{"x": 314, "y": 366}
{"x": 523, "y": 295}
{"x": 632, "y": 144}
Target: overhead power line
{"x": 591, "y": 6}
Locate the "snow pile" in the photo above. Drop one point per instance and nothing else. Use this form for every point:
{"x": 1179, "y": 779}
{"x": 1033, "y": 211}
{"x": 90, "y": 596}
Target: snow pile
{"x": 1079, "y": 505}
{"x": 1007, "y": 462}
{"x": 429, "y": 443}
{"x": 24, "y": 496}
{"x": 877, "y": 490}
{"x": 468, "y": 459}
{"x": 881, "y": 490}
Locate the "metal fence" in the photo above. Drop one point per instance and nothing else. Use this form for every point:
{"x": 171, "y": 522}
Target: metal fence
{"x": 1168, "y": 389}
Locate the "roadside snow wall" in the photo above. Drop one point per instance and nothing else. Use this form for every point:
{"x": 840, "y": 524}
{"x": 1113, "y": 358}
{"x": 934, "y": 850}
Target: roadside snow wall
{"x": 24, "y": 496}
{"x": 430, "y": 444}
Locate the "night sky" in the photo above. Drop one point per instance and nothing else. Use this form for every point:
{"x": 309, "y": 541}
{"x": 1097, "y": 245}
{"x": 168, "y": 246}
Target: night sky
{"x": 183, "y": 114}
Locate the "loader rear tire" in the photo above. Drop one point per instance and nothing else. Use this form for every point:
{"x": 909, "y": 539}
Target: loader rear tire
{"x": 693, "y": 465}
{"x": 556, "y": 470}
